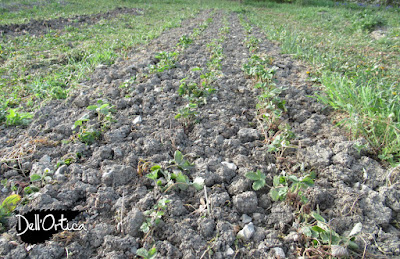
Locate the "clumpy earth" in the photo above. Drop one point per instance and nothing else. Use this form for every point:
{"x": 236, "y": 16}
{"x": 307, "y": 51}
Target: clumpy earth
{"x": 226, "y": 219}
{"x": 40, "y": 27}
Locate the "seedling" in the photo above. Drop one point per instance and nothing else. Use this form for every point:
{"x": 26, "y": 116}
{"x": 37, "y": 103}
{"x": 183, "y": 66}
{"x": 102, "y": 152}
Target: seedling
{"x": 284, "y": 185}
{"x": 15, "y": 118}
{"x": 153, "y": 216}
{"x": 259, "y": 179}
{"x": 184, "y": 41}
{"x": 38, "y": 181}
{"x": 104, "y": 112}
{"x": 319, "y": 233}
{"x": 7, "y": 207}
{"x": 187, "y": 114}
{"x": 166, "y": 180}
{"x": 147, "y": 254}
{"x": 166, "y": 61}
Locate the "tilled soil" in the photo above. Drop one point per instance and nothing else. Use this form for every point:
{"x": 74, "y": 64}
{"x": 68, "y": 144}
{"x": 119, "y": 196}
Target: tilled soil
{"x": 39, "y": 27}
{"x": 225, "y": 144}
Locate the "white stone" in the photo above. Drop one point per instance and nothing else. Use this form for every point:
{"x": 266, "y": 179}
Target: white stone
{"x": 247, "y": 232}
{"x": 246, "y": 218}
{"x": 137, "y": 120}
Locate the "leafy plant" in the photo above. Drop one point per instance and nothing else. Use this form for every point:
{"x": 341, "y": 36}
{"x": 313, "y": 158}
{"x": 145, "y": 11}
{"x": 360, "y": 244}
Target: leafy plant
{"x": 252, "y": 43}
{"x": 184, "y": 41}
{"x": 187, "y": 114}
{"x": 104, "y": 112}
{"x": 147, "y": 254}
{"x": 89, "y": 136}
{"x": 38, "y": 181}
{"x": 259, "y": 179}
{"x": 166, "y": 60}
{"x": 8, "y": 206}
{"x": 282, "y": 185}
{"x": 154, "y": 215}
{"x": 17, "y": 118}
{"x": 319, "y": 233}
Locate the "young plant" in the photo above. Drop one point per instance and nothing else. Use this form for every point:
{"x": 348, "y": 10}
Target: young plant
{"x": 104, "y": 113}
{"x": 259, "y": 179}
{"x": 7, "y": 207}
{"x": 184, "y": 41}
{"x": 38, "y": 181}
{"x": 167, "y": 180}
{"x": 283, "y": 185}
{"x": 153, "y": 216}
{"x": 15, "y": 118}
{"x": 147, "y": 254}
{"x": 187, "y": 114}
{"x": 166, "y": 60}
{"x": 318, "y": 233}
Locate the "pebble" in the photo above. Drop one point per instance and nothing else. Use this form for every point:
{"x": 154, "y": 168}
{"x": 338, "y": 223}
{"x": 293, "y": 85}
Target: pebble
{"x": 247, "y": 232}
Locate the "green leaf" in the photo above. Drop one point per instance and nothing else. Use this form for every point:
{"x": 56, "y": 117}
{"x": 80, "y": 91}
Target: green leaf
{"x": 145, "y": 227}
{"x": 308, "y": 181}
{"x": 318, "y": 217}
{"x": 35, "y": 177}
{"x": 11, "y": 202}
{"x": 257, "y": 185}
{"x": 152, "y": 253}
{"x": 252, "y": 176}
{"x": 155, "y": 168}
{"x": 92, "y": 107}
{"x": 178, "y": 157}
{"x": 153, "y": 175}
{"x": 318, "y": 229}
{"x": 274, "y": 193}
{"x": 352, "y": 245}
{"x": 293, "y": 178}
{"x": 306, "y": 230}
{"x": 142, "y": 252}
{"x": 283, "y": 192}
{"x": 276, "y": 180}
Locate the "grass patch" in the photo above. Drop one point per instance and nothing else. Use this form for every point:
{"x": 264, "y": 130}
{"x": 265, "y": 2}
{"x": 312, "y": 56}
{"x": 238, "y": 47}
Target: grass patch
{"x": 360, "y": 72}
{"x": 37, "y": 68}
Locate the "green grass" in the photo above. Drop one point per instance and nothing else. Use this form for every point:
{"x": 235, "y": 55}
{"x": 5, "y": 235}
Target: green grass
{"x": 37, "y": 68}
{"x": 360, "y": 75}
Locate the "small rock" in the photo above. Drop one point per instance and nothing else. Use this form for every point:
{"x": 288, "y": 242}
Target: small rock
{"x": 248, "y": 135}
{"x": 246, "y": 219}
{"x": 292, "y": 237}
{"x": 247, "y": 232}
{"x": 246, "y": 202}
{"x": 278, "y": 252}
{"x": 229, "y": 251}
{"x": 62, "y": 170}
{"x": 137, "y": 120}
{"x": 133, "y": 221}
{"x": 81, "y": 101}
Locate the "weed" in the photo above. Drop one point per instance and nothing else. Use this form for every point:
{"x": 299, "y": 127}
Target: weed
{"x": 259, "y": 179}
{"x": 153, "y": 216}
{"x": 7, "y": 207}
{"x": 367, "y": 20}
{"x": 184, "y": 41}
{"x": 166, "y": 180}
{"x": 187, "y": 114}
{"x": 319, "y": 233}
{"x": 147, "y": 254}
{"x": 166, "y": 60}
{"x": 283, "y": 185}
{"x": 15, "y": 118}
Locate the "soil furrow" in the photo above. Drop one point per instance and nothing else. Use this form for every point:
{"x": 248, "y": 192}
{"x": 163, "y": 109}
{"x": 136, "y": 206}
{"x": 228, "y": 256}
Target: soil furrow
{"x": 40, "y": 27}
